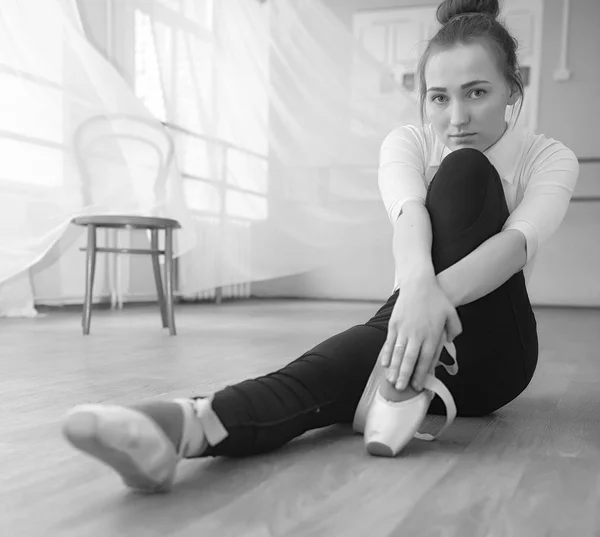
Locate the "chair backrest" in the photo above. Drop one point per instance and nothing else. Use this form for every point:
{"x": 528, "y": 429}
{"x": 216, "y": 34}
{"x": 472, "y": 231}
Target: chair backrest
{"x": 124, "y": 161}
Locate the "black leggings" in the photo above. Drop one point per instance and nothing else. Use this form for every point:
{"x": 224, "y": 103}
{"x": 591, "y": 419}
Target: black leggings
{"x": 497, "y": 350}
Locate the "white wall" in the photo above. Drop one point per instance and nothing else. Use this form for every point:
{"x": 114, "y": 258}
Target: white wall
{"x": 568, "y": 265}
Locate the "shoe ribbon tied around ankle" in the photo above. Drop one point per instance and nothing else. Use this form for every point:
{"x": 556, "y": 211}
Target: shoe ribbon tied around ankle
{"x": 213, "y": 428}
{"x": 211, "y": 431}
{"x": 436, "y": 386}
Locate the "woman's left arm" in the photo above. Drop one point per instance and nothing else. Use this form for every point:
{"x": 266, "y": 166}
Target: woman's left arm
{"x": 537, "y": 217}
{"x": 485, "y": 268}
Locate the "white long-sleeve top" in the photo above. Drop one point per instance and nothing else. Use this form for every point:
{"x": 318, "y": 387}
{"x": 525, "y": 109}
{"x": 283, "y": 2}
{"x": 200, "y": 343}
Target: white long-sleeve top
{"x": 538, "y": 175}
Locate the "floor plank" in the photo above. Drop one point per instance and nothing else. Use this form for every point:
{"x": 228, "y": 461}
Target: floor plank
{"x": 532, "y": 468}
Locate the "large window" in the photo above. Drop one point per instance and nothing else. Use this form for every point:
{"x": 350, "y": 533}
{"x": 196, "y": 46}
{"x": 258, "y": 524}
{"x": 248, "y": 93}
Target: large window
{"x": 31, "y": 107}
{"x": 178, "y": 75}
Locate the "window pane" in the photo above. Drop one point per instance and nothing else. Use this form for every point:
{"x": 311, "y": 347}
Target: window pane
{"x": 198, "y": 157}
{"x": 244, "y": 205}
{"x": 192, "y": 91}
{"x": 201, "y": 196}
{"x": 247, "y": 171}
{"x": 147, "y": 75}
{"x": 31, "y": 164}
{"x": 31, "y": 109}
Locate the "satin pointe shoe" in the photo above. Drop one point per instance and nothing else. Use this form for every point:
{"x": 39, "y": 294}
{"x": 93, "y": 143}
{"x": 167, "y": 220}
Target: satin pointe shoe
{"x": 388, "y": 426}
{"x": 133, "y": 444}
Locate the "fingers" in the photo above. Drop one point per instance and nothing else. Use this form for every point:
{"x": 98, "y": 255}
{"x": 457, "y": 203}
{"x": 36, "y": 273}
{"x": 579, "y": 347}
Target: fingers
{"x": 385, "y": 355}
{"x": 396, "y": 359}
{"x": 429, "y": 351}
{"x": 453, "y": 325}
{"x": 410, "y": 360}
{"x": 407, "y": 366}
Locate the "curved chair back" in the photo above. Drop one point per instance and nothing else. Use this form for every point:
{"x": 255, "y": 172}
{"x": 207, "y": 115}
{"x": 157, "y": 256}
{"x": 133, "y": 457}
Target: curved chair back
{"x": 118, "y": 156}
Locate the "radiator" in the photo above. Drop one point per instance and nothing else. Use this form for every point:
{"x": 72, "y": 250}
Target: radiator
{"x": 212, "y": 270}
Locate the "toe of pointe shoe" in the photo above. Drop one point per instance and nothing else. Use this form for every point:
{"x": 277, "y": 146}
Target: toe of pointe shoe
{"x": 127, "y": 441}
{"x": 390, "y": 425}
{"x": 362, "y": 409}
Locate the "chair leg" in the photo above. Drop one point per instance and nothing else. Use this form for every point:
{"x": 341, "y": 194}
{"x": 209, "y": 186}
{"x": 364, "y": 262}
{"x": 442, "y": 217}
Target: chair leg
{"x": 158, "y": 278}
{"x": 90, "y": 269}
{"x": 169, "y": 277}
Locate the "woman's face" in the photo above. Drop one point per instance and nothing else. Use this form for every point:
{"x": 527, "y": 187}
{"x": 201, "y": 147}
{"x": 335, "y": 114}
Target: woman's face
{"x": 466, "y": 97}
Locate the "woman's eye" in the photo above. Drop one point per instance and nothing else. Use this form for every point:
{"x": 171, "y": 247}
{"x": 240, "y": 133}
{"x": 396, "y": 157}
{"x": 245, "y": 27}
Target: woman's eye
{"x": 438, "y": 99}
{"x": 478, "y": 93}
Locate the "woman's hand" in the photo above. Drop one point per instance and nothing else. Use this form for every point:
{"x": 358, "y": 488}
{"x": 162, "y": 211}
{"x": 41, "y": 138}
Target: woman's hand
{"x": 421, "y": 316}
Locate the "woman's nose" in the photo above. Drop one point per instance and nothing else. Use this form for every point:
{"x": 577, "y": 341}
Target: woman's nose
{"x": 459, "y": 115}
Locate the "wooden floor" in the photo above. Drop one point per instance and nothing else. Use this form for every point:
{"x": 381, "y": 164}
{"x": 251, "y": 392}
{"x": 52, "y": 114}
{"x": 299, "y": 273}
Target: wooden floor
{"x": 532, "y": 469}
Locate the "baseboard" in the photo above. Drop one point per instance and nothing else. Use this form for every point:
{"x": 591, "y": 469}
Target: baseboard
{"x": 78, "y": 300}
{"x": 130, "y": 299}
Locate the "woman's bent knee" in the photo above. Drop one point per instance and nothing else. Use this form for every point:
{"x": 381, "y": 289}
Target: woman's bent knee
{"x": 466, "y": 192}
{"x": 466, "y": 205}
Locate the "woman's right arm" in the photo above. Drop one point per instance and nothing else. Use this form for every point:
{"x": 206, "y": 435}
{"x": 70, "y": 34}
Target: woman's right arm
{"x": 422, "y": 311}
{"x": 412, "y": 244}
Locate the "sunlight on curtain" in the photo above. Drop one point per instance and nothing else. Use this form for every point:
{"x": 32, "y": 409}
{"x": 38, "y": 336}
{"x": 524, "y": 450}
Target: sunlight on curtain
{"x": 32, "y": 153}
{"x": 276, "y": 114}
{"x": 52, "y": 82}
{"x": 275, "y": 110}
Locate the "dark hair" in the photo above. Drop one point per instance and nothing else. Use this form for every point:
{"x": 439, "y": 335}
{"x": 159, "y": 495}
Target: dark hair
{"x": 468, "y": 21}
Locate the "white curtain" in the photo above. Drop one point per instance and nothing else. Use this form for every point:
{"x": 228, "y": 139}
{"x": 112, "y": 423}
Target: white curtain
{"x": 276, "y": 112}
{"x": 51, "y": 82}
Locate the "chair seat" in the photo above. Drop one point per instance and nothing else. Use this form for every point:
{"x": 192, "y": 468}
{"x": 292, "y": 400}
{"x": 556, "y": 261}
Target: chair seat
{"x": 126, "y": 221}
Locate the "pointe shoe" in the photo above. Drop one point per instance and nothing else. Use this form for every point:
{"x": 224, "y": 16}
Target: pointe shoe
{"x": 135, "y": 446}
{"x": 366, "y": 400}
{"x": 392, "y": 425}
{"x": 126, "y": 440}
{"x": 389, "y": 426}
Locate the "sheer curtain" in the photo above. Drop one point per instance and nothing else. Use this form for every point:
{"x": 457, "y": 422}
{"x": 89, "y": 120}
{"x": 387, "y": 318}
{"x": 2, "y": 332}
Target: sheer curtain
{"x": 278, "y": 116}
{"x": 51, "y": 81}
{"x": 276, "y": 112}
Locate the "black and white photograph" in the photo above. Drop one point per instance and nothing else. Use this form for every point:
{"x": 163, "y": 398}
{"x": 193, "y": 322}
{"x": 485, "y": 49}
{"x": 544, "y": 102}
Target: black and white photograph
{"x": 299, "y": 268}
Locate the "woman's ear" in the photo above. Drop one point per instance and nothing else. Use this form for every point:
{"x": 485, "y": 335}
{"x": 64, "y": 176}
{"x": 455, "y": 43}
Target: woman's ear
{"x": 514, "y": 96}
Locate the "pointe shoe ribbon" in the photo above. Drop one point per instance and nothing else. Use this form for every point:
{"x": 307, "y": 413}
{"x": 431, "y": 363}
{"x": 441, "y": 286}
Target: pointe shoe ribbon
{"x": 194, "y": 439}
{"x": 437, "y": 387}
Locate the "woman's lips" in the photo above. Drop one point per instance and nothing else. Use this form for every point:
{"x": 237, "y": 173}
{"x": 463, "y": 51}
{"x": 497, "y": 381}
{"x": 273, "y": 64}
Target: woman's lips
{"x": 462, "y": 138}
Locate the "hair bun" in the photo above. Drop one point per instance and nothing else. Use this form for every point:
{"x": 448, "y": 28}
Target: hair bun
{"x": 449, "y": 9}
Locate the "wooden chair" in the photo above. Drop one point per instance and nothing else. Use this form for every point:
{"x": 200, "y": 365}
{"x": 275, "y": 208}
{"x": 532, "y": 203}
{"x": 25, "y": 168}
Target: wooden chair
{"x": 103, "y": 139}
